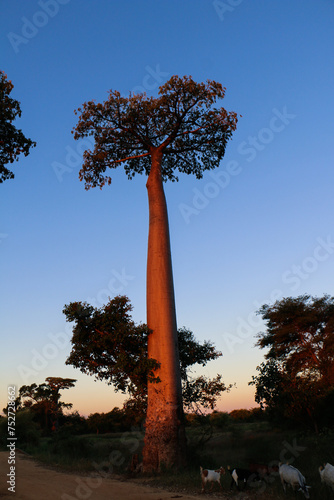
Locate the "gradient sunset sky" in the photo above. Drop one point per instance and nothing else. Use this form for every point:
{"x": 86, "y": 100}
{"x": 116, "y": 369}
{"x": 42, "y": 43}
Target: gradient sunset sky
{"x": 257, "y": 229}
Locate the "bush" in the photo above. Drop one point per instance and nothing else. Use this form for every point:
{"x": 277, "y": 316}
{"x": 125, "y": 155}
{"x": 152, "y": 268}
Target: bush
{"x": 220, "y": 419}
{"x": 73, "y": 423}
{"x": 71, "y": 447}
{"x": 196, "y": 419}
{"x": 242, "y": 415}
{"x": 27, "y": 432}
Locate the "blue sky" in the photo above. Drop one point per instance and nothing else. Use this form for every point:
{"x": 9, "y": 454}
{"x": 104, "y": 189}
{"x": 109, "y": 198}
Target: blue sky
{"x": 256, "y": 229}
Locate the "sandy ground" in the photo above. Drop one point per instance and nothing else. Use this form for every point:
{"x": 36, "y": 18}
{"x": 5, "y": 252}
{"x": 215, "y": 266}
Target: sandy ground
{"x": 36, "y": 482}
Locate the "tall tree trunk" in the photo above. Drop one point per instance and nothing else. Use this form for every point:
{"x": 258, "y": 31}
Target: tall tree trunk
{"x": 164, "y": 434}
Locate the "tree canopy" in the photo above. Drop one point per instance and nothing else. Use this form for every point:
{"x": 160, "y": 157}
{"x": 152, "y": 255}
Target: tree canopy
{"x": 182, "y": 122}
{"x": 298, "y": 374}
{"x": 300, "y": 334}
{"x": 12, "y": 140}
{"x": 107, "y": 344}
{"x": 46, "y": 393}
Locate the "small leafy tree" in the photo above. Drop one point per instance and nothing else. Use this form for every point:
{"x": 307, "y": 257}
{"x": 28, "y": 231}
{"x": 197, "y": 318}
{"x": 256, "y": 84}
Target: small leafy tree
{"x": 107, "y": 344}
{"x": 181, "y": 130}
{"x": 12, "y": 140}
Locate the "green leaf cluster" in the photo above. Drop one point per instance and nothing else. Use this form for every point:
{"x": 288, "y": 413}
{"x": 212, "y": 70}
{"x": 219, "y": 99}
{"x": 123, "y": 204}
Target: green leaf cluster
{"x": 12, "y": 140}
{"x": 106, "y": 343}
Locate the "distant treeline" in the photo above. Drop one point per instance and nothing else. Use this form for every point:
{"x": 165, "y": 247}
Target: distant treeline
{"x": 31, "y": 424}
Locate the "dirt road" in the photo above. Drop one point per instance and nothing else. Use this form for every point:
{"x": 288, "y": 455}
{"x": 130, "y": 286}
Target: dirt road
{"x": 35, "y": 482}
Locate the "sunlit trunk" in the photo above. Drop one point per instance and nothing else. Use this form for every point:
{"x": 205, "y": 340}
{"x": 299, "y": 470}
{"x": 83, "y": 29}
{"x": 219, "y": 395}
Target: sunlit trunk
{"x": 164, "y": 432}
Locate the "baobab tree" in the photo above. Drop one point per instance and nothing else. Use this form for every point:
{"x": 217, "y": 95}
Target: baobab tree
{"x": 180, "y": 130}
